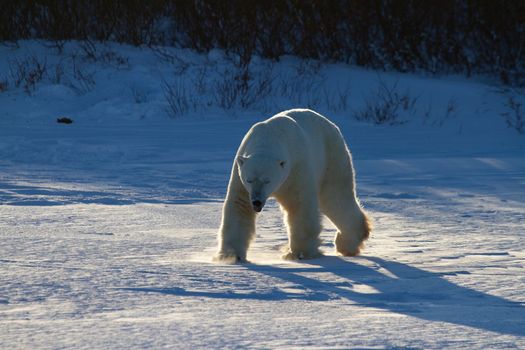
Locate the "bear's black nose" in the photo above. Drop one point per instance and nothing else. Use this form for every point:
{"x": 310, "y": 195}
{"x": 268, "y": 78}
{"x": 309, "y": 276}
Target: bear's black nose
{"x": 257, "y": 205}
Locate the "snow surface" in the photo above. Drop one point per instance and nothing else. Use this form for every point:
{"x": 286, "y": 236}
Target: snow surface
{"x": 108, "y": 224}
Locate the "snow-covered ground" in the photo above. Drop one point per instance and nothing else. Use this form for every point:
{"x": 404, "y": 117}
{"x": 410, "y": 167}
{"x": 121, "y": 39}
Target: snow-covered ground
{"x": 108, "y": 224}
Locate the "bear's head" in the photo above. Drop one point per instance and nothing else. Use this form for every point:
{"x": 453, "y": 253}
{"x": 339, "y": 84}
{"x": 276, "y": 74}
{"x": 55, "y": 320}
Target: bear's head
{"x": 261, "y": 175}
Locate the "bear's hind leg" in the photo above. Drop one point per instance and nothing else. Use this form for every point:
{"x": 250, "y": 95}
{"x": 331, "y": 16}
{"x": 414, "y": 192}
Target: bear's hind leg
{"x": 343, "y": 209}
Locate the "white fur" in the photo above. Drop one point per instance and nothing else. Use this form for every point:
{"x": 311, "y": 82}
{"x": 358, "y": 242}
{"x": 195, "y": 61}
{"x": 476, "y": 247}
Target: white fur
{"x": 300, "y": 158}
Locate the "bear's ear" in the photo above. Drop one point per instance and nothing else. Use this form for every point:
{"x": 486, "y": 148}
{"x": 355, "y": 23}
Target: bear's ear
{"x": 282, "y": 163}
{"x": 241, "y": 160}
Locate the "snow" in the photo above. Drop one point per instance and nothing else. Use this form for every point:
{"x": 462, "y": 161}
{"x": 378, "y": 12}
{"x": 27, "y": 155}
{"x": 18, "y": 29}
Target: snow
{"x": 108, "y": 224}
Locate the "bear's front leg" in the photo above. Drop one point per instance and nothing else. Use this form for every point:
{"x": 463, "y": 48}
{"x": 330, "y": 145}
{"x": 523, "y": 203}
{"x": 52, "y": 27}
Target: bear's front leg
{"x": 304, "y": 226}
{"x": 238, "y": 224}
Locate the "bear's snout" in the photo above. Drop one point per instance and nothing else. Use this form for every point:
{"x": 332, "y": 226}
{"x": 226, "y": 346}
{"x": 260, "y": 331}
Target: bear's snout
{"x": 257, "y": 205}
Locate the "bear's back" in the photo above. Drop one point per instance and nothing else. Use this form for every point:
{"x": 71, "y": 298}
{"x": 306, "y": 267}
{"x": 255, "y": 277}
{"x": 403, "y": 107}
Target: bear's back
{"x": 318, "y": 129}
{"x": 319, "y": 139}
{"x": 299, "y": 131}
{"x": 312, "y": 122}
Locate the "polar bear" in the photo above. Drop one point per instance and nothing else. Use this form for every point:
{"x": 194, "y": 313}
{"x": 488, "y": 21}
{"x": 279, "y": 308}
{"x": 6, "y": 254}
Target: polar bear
{"x": 300, "y": 158}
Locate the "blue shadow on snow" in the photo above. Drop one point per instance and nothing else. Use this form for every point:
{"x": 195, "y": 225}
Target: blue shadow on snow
{"x": 403, "y": 289}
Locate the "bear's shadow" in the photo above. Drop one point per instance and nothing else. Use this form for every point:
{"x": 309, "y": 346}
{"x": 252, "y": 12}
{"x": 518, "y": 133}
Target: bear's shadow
{"x": 383, "y": 284}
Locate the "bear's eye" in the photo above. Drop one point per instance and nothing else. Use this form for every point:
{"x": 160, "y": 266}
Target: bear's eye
{"x": 266, "y": 182}
{"x": 249, "y": 181}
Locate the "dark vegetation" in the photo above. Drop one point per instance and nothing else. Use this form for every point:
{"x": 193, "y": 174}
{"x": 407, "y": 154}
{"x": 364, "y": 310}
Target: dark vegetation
{"x": 467, "y": 37}
{"x": 64, "y": 120}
